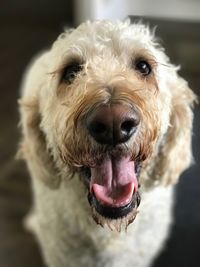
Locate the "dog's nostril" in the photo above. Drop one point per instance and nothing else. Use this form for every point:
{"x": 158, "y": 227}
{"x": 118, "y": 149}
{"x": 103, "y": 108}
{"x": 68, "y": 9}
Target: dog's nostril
{"x": 127, "y": 127}
{"x": 98, "y": 127}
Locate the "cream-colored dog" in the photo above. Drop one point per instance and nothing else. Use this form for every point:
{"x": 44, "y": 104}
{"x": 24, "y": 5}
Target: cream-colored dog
{"x": 106, "y": 122}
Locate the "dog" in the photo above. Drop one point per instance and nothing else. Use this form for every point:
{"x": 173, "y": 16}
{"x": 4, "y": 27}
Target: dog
{"x": 106, "y": 132}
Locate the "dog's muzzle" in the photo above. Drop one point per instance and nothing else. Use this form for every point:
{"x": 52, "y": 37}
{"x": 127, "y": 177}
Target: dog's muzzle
{"x": 113, "y": 184}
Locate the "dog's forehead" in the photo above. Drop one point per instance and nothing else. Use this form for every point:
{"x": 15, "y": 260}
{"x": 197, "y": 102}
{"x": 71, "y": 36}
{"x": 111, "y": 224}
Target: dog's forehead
{"x": 104, "y": 37}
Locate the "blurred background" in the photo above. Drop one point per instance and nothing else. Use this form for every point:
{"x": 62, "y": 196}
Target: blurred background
{"x": 27, "y": 27}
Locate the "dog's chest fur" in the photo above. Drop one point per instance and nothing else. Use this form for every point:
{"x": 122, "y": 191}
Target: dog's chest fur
{"x": 70, "y": 233}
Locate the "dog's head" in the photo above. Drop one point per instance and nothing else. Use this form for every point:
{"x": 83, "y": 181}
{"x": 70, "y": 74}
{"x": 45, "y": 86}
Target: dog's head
{"x": 112, "y": 108}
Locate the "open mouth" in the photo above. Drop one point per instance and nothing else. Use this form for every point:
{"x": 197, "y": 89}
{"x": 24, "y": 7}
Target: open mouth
{"x": 113, "y": 187}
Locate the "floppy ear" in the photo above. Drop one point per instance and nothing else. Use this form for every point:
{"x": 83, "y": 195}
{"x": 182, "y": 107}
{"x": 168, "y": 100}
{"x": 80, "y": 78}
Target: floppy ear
{"x": 33, "y": 144}
{"x": 176, "y": 153}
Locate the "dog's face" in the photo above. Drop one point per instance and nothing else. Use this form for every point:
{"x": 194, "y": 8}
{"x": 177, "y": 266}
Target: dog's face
{"x": 106, "y": 111}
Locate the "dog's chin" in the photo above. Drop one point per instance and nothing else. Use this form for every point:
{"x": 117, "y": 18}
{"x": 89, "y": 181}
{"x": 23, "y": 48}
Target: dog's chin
{"x": 113, "y": 191}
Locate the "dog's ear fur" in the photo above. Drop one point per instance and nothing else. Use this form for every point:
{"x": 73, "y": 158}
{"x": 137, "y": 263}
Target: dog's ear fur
{"x": 176, "y": 153}
{"x": 33, "y": 144}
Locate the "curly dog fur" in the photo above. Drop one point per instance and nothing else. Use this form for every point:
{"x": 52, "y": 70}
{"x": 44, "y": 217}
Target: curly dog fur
{"x": 119, "y": 73}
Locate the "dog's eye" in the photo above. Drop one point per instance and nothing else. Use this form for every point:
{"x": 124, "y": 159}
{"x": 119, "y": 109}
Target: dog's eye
{"x": 70, "y": 72}
{"x": 143, "y": 67}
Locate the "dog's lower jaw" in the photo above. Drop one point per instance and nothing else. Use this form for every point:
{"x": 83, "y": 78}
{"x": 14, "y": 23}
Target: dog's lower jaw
{"x": 74, "y": 238}
{"x": 117, "y": 219}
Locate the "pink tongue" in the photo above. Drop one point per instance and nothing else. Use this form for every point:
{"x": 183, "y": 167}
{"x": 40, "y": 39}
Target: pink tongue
{"x": 114, "y": 181}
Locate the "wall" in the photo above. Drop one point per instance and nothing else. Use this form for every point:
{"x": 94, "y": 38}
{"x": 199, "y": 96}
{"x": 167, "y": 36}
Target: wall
{"x": 98, "y": 9}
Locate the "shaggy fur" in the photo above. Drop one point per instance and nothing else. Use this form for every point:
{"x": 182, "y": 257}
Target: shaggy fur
{"x": 57, "y": 146}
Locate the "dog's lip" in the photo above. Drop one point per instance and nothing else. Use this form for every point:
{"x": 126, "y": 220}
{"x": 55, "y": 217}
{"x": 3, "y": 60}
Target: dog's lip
{"x": 115, "y": 212}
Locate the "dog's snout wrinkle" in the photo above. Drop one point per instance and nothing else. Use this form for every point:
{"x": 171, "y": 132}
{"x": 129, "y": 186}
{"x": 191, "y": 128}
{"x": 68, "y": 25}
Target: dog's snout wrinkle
{"x": 112, "y": 124}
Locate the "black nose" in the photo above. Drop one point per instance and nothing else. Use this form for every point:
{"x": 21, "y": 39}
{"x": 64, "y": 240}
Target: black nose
{"x": 112, "y": 124}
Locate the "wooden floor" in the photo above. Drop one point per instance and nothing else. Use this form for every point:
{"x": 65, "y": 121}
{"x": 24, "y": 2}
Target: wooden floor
{"x": 18, "y": 42}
